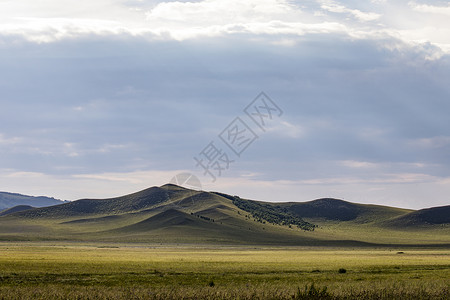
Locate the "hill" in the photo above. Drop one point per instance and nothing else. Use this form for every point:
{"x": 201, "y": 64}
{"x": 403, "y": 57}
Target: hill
{"x": 424, "y": 217}
{"x": 172, "y": 214}
{"x": 8, "y": 200}
{"x": 85, "y": 207}
{"x": 15, "y": 209}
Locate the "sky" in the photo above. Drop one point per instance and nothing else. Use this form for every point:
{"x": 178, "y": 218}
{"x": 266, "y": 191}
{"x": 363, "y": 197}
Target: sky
{"x": 104, "y": 98}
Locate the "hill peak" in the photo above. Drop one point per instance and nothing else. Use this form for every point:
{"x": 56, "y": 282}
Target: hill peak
{"x": 172, "y": 186}
{"x": 329, "y": 202}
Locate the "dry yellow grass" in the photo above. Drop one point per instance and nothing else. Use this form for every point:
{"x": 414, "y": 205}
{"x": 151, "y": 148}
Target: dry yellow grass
{"x": 93, "y": 271}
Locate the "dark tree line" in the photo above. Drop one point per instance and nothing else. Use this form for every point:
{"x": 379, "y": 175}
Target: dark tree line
{"x": 269, "y": 213}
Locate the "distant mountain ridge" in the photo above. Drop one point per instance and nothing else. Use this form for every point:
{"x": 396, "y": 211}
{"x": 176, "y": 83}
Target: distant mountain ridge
{"x": 173, "y": 214}
{"x": 8, "y": 200}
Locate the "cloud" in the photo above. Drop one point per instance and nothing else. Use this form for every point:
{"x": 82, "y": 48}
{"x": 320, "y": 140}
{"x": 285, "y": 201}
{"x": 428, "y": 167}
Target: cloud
{"x": 286, "y": 129}
{"x": 52, "y": 20}
{"x": 433, "y": 142}
{"x": 159, "y": 101}
{"x": 97, "y": 94}
{"x": 220, "y": 12}
{"x": 9, "y": 141}
{"x": 444, "y": 10}
{"x": 357, "y": 164}
{"x": 333, "y": 6}
{"x": 276, "y": 22}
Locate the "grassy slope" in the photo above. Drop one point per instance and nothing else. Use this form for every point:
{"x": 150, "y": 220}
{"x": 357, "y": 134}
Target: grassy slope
{"x": 172, "y": 214}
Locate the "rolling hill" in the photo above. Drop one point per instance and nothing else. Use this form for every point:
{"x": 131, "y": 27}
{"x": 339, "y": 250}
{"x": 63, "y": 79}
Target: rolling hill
{"x": 422, "y": 218}
{"x": 173, "y": 214}
{"x": 15, "y": 209}
{"x": 8, "y": 200}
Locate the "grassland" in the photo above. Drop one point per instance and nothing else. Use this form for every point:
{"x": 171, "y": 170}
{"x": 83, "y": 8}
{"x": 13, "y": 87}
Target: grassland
{"x": 172, "y": 243}
{"x": 44, "y": 270}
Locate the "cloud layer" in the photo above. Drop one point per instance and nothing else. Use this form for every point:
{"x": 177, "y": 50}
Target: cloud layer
{"x": 93, "y": 93}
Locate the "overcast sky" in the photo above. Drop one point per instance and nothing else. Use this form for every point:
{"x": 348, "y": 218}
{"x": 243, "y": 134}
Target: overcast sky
{"x": 104, "y": 98}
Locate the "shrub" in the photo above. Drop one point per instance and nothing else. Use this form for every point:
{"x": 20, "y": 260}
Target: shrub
{"x": 311, "y": 292}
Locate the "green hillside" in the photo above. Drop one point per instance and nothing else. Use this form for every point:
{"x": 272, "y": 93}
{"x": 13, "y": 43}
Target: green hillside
{"x": 172, "y": 214}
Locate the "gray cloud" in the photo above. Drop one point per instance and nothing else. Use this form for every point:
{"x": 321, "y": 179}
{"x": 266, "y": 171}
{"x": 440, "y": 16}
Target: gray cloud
{"x": 354, "y": 108}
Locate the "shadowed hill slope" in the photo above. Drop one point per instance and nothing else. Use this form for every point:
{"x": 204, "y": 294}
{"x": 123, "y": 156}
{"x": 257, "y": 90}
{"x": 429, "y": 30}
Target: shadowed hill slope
{"x": 340, "y": 210}
{"x": 328, "y": 208}
{"x": 15, "y": 209}
{"x": 429, "y": 216}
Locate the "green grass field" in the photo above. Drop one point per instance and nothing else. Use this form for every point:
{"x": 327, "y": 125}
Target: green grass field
{"x": 44, "y": 270}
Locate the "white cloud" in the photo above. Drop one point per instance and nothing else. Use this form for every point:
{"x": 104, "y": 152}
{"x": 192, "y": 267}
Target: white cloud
{"x": 357, "y": 164}
{"x": 440, "y": 10}
{"x": 286, "y": 129}
{"x": 111, "y": 147}
{"x": 179, "y": 20}
{"x": 182, "y": 20}
{"x": 220, "y": 11}
{"x": 113, "y": 93}
{"x": 432, "y": 142}
{"x": 384, "y": 179}
{"x": 332, "y": 6}
{"x": 9, "y": 141}
{"x": 69, "y": 149}
{"x": 50, "y": 20}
